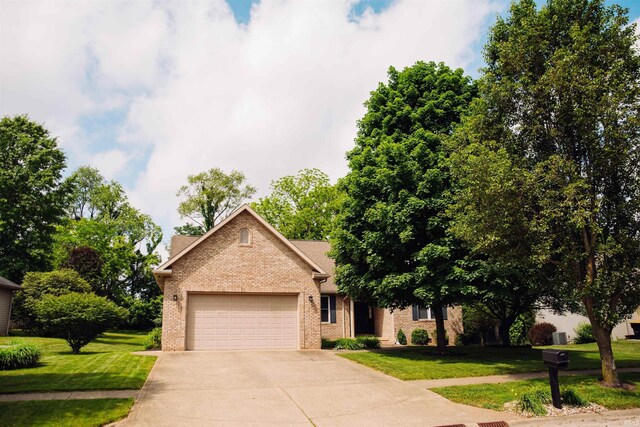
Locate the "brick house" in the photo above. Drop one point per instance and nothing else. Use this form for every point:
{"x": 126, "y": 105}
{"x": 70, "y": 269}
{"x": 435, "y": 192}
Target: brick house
{"x": 243, "y": 285}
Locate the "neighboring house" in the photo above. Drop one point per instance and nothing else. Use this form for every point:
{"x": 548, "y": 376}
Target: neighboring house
{"x": 6, "y": 296}
{"x": 569, "y": 321}
{"x": 243, "y": 285}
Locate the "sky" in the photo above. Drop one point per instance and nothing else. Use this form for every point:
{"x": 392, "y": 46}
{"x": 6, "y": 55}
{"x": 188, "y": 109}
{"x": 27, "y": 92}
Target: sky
{"x": 150, "y": 92}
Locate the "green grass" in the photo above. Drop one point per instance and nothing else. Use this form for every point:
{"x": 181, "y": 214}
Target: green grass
{"x": 494, "y": 396}
{"x": 63, "y": 413}
{"x": 418, "y": 363}
{"x": 104, "y": 364}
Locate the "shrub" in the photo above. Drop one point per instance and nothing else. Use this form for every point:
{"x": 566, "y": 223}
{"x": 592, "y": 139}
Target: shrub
{"x": 78, "y": 318}
{"x": 570, "y": 397}
{"x": 446, "y": 336}
{"x": 36, "y": 285}
{"x": 540, "y": 334}
{"x": 19, "y": 355}
{"x": 327, "y": 343}
{"x": 369, "y": 341}
{"x": 531, "y": 403}
{"x": 584, "y": 334}
{"x": 154, "y": 339}
{"x": 420, "y": 337}
{"x": 348, "y": 344}
{"x": 401, "y": 338}
{"x": 143, "y": 313}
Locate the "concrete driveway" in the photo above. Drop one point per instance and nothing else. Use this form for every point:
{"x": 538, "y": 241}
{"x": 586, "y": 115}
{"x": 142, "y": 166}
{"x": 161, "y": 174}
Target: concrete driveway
{"x": 287, "y": 387}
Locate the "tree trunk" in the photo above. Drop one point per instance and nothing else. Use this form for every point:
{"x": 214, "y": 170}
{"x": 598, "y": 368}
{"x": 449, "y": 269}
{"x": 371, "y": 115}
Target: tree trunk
{"x": 609, "y": 371}
{"x": 503, "y": 331}
{"x": 441, "y": 340}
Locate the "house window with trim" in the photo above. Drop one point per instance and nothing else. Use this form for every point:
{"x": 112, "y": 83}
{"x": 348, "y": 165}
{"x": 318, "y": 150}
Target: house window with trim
{"x": 328, "y": 308}
{"x": 426, "y": 313}
{"x": 245, "y": 237}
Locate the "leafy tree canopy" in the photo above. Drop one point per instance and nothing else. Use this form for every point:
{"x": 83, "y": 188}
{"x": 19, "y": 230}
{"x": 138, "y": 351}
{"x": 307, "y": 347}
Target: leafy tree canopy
{"x": 391, "y": 243}
{"x": 301, "y": 206}
{"x": 79, "y": 318}
{"x": 102, "y": 220}
{"x": 32, "y": 196}
{"x": 558, "y": 120}
{"x": 36, "y": 285}
{"x": 211, "y": 196}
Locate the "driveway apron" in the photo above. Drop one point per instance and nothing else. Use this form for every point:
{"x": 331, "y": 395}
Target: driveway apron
{"x": 287, "y": 388}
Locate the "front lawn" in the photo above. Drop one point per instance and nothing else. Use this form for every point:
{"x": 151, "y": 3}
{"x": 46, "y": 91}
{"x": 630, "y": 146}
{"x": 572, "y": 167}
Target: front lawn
{"x": 494, "y": 396}
{"x": 421, "y": 363}
{"x": 104, "y": 364}
{"x": 64, "y": 413}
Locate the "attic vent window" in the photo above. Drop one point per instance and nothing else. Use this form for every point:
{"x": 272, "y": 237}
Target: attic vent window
{"x": 245, "y": 237}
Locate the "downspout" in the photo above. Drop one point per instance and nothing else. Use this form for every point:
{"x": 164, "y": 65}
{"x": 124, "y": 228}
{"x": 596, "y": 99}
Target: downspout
{"x": 393, "y": 327}
{"x": 344, "y": 326}
{"x": 352, "y": 330}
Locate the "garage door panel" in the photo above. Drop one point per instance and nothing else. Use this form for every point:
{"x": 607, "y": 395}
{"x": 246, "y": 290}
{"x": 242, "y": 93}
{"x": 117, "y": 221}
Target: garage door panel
{"x": 242, "y": 322}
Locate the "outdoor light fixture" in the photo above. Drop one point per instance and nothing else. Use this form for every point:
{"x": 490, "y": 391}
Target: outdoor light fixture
{"x": 310, "y": 298}
{"x": 175, "y": 297}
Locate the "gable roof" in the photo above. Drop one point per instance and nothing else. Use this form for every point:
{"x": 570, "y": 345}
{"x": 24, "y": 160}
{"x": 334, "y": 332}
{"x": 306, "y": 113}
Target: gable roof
{"x": 179, "y": 242}
{"x": 164, "y": 270}
{"x": 318, "y": 251}
{"x": 8, "y": 284}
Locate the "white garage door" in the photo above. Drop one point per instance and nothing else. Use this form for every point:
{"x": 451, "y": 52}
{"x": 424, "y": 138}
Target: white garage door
{"x": 242, "y": 322}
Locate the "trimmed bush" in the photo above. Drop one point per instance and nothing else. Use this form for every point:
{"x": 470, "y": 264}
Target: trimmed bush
{"x": 19, "y": 355}
{"x": 401, "y": 337}
{"x": 420, "y": 337}
{"x": 154, "y": 340}
{"x": 328, "y": 344}
{"x": 78, "y": 318}
{"x": 35, "y": 285}
{"x": 369, "y": 341}
{"x": 348, "y": 344}
{"x": 571, "y": 398}
{"x": 540, "y": 334}
{"x": 584, "y": 333}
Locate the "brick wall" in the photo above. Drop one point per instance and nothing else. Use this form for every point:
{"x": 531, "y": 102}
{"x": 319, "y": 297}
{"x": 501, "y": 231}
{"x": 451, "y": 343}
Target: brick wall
{"x": 335, "y": 330}
{"x": 221, "y": 264}
{"x": 403, "y": 319}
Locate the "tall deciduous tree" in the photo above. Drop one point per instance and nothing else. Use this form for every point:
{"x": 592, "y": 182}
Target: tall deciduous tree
{"x": 391, "y": 243}
{"x": 32, "y": 197}
{"x": 102, "y": 220}
{"x": 301, "y": 206}
{"x": 211, "y": 196}
{"x": 559, "y": 118}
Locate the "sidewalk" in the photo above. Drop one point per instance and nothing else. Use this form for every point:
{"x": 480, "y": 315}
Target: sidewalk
{"x": 70, "y": 395}
{"x": 496, "y": 379}
{"x": 625, "y": 417}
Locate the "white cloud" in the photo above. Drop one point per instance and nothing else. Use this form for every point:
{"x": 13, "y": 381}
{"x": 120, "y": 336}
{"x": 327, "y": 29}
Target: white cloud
{"x": 110, "y": 163}
{"x": 271, "y": 97}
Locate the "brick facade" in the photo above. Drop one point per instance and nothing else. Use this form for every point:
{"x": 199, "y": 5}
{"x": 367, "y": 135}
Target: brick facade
{"x": 219, "y": 264}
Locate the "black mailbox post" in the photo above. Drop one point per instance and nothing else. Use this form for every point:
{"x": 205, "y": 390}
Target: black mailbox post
{"x": 555, "y": 360}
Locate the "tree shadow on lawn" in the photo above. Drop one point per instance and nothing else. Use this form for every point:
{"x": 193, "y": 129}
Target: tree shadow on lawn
{"x": 52, "y": 382}
{"x": 511, "y": 360}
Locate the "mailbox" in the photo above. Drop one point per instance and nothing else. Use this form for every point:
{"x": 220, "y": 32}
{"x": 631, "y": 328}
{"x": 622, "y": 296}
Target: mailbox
{"x": 557, "y": 359}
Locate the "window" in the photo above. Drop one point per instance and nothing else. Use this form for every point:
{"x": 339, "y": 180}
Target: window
{"x": 426, "y": 313}
{"x": 328, "y": 308}
{"x": 245, "y": 237}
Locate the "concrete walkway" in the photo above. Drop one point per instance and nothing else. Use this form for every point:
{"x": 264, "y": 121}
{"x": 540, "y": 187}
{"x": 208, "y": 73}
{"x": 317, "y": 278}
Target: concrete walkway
{"x": 70, "y": 395}
{"x": 625, "y": 417}
{"x": 287, "y": 388}
{"x": 496, "y": 379}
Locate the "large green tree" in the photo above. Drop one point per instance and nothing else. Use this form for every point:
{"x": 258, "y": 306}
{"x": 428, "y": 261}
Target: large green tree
{"x": 211, "y": 196}
{"x": 391, "y": 244}
{"x": 102, "y": 220}
{"x": 301, "y": 206}
{"x": 32, "y": 197}
{"x": 558, "y": 122}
